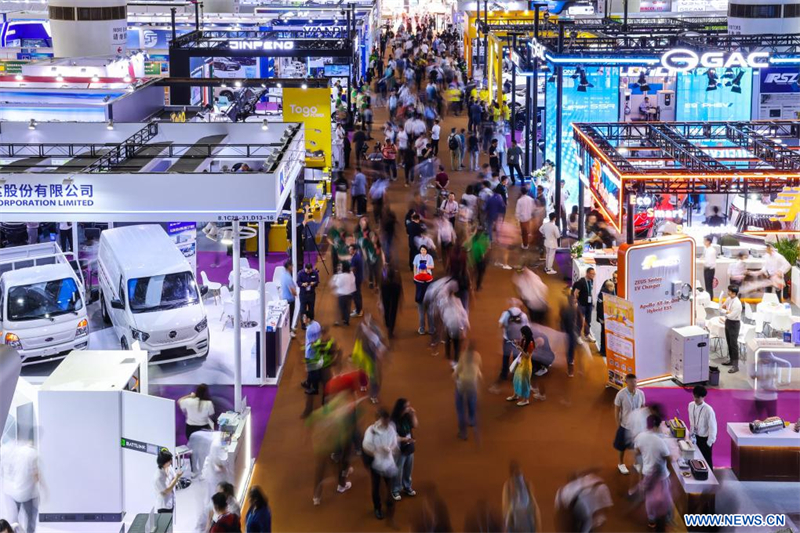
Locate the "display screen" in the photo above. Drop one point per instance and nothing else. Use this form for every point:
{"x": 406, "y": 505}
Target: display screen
{"x": 599, "y": 103}
{"x": 158, "y": 293}
{"x": 695, "y": 103}
{"x": 43, "y": 300}
{"x": 605, "y": 187}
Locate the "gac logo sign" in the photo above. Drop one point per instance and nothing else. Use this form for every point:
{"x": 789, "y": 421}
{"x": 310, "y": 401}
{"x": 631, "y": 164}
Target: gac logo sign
{"x": 683, "y": 60}
{"x": 778, "y": 78}
{"x": 306, "y": 111}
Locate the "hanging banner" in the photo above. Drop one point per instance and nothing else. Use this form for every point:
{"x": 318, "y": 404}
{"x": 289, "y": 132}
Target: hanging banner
{"x": 312, "y": 107}
{"x": 620, "y": 338}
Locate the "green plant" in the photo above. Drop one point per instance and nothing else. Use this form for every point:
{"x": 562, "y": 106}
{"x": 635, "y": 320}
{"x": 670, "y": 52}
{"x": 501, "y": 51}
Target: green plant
{"x": 576, "y": 250}
{"x": 789, "y": 249}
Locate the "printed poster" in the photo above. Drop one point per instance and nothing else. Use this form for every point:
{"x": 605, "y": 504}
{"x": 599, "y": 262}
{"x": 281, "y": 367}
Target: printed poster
{"x": 620, "y": 348}
{"x": 312, "y": 107}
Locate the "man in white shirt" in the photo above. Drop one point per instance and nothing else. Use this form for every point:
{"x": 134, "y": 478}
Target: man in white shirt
{"x": 524, "y": 213}
{"x": 626, "y": 402}
{"x": 654, "y": 452}
{"x": 20, "y": 480}
{"x": 551, "y": 235}
{"x": 709, "y": 265}
{"x": 775, "y": 267}
{"x": 165, "y": 480}
{"x": 731, "y": 309}
{"x": 436, "y": 132}
{"x": 738, "y": 270}
{"x": 702, "y": 424}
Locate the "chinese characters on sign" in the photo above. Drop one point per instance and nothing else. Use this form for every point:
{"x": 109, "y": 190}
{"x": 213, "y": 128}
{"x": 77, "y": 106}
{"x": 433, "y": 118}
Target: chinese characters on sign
{"x": 53, "y": 195}
{"x": 620, "y": 352}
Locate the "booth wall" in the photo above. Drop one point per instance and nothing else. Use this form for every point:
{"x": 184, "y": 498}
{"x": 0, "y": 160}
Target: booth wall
{"x": 139, "y": 105}
{"x": 697, "y": 104}
{"x": 598, "y": 104}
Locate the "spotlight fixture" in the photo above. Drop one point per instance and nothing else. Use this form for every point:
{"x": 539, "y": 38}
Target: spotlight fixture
{"x": 95, "y": 78}
{"x": 712, "y": 80}
{"x": 32, "y": 124}
{"x": 18, "y": 77}
{"x": 736, "y": 83}
{"x": 59, "y": 78}
{"x": 227, "y": 237}
{"x": 263, "y": 85}
{"x": 110, "y": 125}
{"x": 211, "y": 230}
{"x": 551, "y": 79}
{"x": 224, "y": 85}
{"x": 279, "y": 85}
{"x": 126, "y": 79}
{"x": 576, "y": 74}
{"x": 304, "y": 86}
{"x": 583, "y": 84}
{"x": 237, "y": 84}
{"x": 265, "y": 125}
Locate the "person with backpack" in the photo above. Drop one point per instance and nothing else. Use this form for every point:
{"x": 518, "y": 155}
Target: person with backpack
{"x": 520, "y": 510}
{"x": 456, "y": 150}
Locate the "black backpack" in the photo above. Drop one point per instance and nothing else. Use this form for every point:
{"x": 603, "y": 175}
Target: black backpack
{"x": 452, "y": 142}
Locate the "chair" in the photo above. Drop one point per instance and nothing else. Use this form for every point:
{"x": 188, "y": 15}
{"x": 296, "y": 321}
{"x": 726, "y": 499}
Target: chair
{"x": 244, "y": 264}
{"x": 277, "y": 275}
{"x": 213, "y": 286}
{"x": 228, "y": 309}
{"x": 746, "y": 334}
{"x": 781, "y": 323}
{"x": 770, "y": 298}
{"x": 271, "y": 290}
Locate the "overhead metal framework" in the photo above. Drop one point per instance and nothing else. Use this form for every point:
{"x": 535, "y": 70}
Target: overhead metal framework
{"x": 218, "y": 42}
{"x": 696, "y": 157}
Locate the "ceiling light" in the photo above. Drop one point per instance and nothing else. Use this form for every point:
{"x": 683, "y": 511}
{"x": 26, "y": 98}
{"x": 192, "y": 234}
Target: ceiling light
{"x": 304, "y": 86}
{"x": 126, "y": 79}
{"x": 263, "y": 85}
{"x": 237, "y": 84}
{"x": 59, "y": 78}
{"x": 18, "y": 77}
{"x": 227, "y": 237}
{"x": 95, "y": 78}
{"x": 279, "y": 85}
{"x": 211, "y": 230}
{"x": 32, "y": 124}
{"x": 110, "y": 125}
{"x": 265, "y": 125}
{"x": 224, "y": 85}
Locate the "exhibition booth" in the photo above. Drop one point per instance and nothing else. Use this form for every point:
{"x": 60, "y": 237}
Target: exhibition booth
{"x": 653, "y": 70}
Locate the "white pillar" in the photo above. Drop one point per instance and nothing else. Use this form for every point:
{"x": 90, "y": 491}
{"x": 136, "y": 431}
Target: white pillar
{"x": 294, "y": 250}
{"x": 82, "y": 28}
{"x": 262, "y": 299}
{"x": 237, "y": 321}
{"x": 74, "y": 241}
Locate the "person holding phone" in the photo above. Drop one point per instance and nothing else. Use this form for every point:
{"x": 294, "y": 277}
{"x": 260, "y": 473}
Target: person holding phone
{"x": 165, "y": 480}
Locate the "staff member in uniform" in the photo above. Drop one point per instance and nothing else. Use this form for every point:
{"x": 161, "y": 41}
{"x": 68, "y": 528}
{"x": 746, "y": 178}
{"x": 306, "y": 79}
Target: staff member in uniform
{"x": 775, "y": 268}
{"x": 709, "y": 265}
{"x": 732, "y": 309}
{"x": 627, "y": 401}
{"x": 702, "y": 424}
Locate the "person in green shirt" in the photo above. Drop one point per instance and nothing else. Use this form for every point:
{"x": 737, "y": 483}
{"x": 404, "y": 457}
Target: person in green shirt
{"x": 477, "y": 249}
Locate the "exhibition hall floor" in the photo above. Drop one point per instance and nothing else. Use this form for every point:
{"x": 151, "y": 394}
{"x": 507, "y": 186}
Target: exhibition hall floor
{"x": 571, "y": 431}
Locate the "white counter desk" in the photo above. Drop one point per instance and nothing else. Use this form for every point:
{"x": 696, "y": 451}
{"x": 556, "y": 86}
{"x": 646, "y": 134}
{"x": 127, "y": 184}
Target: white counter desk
{"x": 700, "y": 495}
{"x": 773, "y": 456}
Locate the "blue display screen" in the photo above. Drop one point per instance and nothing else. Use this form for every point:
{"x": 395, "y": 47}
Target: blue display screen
{"x": 696, "y": 103}
{"x": 599, "y": 103}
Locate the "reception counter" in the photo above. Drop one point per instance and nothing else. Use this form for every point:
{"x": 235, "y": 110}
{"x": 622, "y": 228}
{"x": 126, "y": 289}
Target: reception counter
{"x": 773, "y": 456}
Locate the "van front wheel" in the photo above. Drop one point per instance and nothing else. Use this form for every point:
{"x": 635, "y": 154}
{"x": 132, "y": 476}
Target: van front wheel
{"x": 123, "y": 342}
{"x": 104, "y": 310}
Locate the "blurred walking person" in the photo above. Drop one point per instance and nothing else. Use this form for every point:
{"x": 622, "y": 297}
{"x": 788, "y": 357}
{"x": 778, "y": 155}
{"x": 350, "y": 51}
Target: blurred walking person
{"x": 391, "y": 296}
{"x": 551, "y": 235}
{"x": 380, "y": 447}
{"x": 652, "y": 448}
{"x": 405, "y": 420}
{"x": 344, "y": 285}
{"x": 467, "y": 375}
{"x": 520, "y": 510}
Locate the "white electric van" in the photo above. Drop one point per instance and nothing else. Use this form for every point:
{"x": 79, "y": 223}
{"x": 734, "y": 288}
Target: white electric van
{"x": 42, "y": 303}
{"x": 148, "y": 292}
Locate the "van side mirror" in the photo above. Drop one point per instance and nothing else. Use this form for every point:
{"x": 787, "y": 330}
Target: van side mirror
{"x": 117, "y": 304}
{"x": 203, "y": 290}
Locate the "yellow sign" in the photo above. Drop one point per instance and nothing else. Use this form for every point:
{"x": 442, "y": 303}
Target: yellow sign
{"x": 620, "y": 350}
{"x": 786, "y": 205}
{"x": 312, "y": 107}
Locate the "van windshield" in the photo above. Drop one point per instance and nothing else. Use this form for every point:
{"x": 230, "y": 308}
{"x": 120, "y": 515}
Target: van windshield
{"x": 47, "y": 299}
{"x": 158, "y": 293}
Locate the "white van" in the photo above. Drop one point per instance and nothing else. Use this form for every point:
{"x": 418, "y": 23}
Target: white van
{"x": 148, "y": 292}
{"x": 42, "y": 303}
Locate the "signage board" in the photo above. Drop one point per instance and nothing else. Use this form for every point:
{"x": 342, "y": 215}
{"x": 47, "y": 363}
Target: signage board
{"x": 778, "y": 93}
{"x": 647, "y": 273}
{"x": 620, "y": 347}
{"x": 684, "y": 60}
{"x": 312, "y": 107}
{"x": 141, "y": 197}
{"x": 605, "y": 188}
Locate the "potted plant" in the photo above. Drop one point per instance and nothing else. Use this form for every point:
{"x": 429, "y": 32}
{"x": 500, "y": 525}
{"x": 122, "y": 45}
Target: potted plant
{"x": 790, "y": 250}
{"x": 576, "y": 250}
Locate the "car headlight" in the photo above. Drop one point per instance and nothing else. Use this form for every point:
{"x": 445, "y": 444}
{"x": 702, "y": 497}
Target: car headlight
{"x": 139, "y": 335}
{"x": 12, "y": 340}
{"x": 83, "y": 328}
{"x": 203, "y": 324}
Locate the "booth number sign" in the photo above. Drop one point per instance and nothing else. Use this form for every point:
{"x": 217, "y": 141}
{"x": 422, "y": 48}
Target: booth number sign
{"x": 139, "y": 446}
